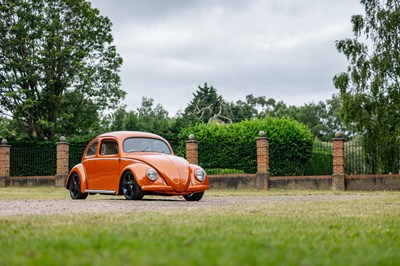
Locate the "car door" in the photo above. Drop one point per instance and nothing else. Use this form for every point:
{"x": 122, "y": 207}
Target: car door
{"x": 88, "y": 162}
{"x": 107, "y": 166}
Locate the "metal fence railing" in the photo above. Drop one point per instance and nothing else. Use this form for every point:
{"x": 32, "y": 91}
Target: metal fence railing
{"x": 315, "y": 159}
{"x": 75, "y": 153}
{"x": 371, "y": 158}
{"x": 33, "y": 160}
{"x": 228, "y": 159}
{"x": 309, "y": 160}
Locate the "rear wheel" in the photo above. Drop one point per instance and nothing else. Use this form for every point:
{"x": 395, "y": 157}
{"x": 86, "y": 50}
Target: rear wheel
{"x": 75, "y": 188}
{"x": 130, "y": 187}
{"x": 194, "y": 196}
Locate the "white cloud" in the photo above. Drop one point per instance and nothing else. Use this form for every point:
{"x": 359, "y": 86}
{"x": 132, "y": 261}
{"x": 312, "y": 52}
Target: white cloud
{"x": 280, "y": 49}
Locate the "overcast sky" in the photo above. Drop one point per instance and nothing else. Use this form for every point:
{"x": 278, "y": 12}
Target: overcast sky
{"x": 280, "y": 49}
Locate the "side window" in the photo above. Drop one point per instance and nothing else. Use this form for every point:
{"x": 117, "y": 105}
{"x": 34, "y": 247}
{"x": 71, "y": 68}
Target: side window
{"x": 92, "y": 149}
{"x": 109, "y": 147}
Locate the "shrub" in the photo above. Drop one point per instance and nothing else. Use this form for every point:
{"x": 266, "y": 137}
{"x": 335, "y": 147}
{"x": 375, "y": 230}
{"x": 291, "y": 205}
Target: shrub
{"x": 38, "y": 158}
{"x": 320, "y": 162}
{"x": 29, "y": 158}
{"x": 234, "y": 146}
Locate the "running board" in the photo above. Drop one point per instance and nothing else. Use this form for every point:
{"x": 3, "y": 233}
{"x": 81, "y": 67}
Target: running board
{"x": 100, "y": 191}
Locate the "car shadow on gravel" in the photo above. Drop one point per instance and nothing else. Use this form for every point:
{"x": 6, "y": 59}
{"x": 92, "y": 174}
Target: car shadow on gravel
{"x": 147, "y": 199}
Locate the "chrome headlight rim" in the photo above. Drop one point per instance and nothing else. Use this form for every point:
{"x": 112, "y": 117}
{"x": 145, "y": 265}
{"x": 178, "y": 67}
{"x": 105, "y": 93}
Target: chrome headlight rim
{"x": 200, "y": 174}
{"x": 152, "y": 174}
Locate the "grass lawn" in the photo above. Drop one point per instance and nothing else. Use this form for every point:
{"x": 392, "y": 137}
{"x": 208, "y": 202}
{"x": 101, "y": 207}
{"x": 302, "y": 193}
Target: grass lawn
{"x": 351, "y": 232}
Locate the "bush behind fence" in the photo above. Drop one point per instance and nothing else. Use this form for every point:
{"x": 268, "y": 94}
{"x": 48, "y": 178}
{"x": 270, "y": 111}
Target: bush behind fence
{"x": 228, "y": 159}
{"x": 33, "y": 159}
{"x": 39, "y": 159}
{"x": 291, "y": 160}
{"x": 76, "y": 150}
{"x": 371, "y": 158}
{"x": 307, "y": 160}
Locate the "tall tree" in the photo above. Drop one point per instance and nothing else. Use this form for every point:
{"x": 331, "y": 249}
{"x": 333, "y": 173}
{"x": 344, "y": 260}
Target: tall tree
{"x": 322, "y": 118}
{"x": 8, "y": 129}
{"x": 370, "y": 89}
{"x": 148, "y": 117}
{"x": 207, "y": 106}
{"x": 58, "y": 67}
{"x": 253, "y": 107}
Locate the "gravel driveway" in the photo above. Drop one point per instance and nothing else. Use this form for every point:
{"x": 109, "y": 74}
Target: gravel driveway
{"x": 120, "y": 205}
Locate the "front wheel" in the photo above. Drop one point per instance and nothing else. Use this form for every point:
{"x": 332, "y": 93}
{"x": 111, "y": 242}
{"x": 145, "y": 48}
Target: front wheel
{"x": 194, "y": 196}
{"x": 130, "y": 187}
{"x": 75, "y": 188}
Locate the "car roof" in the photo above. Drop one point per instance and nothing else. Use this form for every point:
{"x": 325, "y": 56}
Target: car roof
{"x": 125, "y": 134}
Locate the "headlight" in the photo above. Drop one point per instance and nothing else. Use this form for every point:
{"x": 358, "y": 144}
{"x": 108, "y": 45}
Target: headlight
{"x": 152, "y": 174}
{"x": 200, "y": 175}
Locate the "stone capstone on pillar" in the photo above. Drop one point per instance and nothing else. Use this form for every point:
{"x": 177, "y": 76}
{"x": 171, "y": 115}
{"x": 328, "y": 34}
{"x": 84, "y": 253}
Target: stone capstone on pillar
{"x": 192, "y": 150}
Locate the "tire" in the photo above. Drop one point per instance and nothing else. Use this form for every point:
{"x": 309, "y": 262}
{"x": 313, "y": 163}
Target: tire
{"x": 130, "y": 187}
{"x": 75, "y": 188}
{"x": 194, "y": 196}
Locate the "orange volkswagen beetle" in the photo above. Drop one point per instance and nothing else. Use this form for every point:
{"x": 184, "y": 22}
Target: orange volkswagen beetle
{"x": 134, "y": 164}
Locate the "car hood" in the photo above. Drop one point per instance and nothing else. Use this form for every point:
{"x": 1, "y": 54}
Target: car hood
{"x": 174, "y": 169}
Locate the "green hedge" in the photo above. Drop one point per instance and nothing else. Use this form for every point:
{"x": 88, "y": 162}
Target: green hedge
{"x": 75, "y": 152}
{"x": 38, "y": 158}
{"x": 321, "y": 161}
{"x": 29, "y": 158}
{"x": 222, "y": 149}
{"x": 233, "y": 146}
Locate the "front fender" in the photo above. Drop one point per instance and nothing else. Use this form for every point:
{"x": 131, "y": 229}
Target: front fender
{"x": 80, "y": 170}
{"x": 195, "y": 182}
{"x": 139, "y": 172}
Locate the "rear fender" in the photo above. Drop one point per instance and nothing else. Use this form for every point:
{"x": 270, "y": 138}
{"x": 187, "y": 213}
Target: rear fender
{"x": 80, "y": 170}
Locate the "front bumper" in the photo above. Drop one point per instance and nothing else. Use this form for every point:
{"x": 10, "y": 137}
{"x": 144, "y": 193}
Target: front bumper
{"x": 165, "y": 189}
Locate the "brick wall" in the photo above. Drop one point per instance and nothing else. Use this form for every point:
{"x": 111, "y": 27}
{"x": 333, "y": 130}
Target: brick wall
{"x": 262, "y": 155}
{"x": 359, "y": 182}
{"x": 373, "y": 182}
{"x": 62, "y": 163}
{"x": 4, "y": 162}
{"x": 57, "y": 180}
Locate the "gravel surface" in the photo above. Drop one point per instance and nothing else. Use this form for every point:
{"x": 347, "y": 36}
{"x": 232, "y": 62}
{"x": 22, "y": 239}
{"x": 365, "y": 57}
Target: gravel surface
{"x": 120, "y": 205}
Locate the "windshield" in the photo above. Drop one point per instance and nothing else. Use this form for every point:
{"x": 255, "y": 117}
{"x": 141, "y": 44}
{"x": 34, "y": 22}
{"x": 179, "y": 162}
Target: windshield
{"x": 146, "y": 145}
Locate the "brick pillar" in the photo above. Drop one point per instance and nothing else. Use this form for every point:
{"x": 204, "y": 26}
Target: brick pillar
{"x": 262, "y": 161}
{"x": 62, "y": 162}
{"x": 4, "y": 162}
{"x": 338, "y": 176}
{"x": 192, "y": 150}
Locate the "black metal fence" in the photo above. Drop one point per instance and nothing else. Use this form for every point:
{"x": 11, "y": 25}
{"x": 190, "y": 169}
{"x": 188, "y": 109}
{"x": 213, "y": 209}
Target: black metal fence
{"x": 315, "y": 159}
{"x": 228, "y": 159}
{"x": 310, "y": 160}
{"x": 360, "y": 158}
{"x": 75, "y": 153}
{"x": 33, "y": 160}
{"x": 371, "y": 158}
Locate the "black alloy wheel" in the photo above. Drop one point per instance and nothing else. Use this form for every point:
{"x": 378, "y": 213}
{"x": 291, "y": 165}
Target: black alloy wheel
{"x": 130, "y": 187}
{"x": 75, "y": 188}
